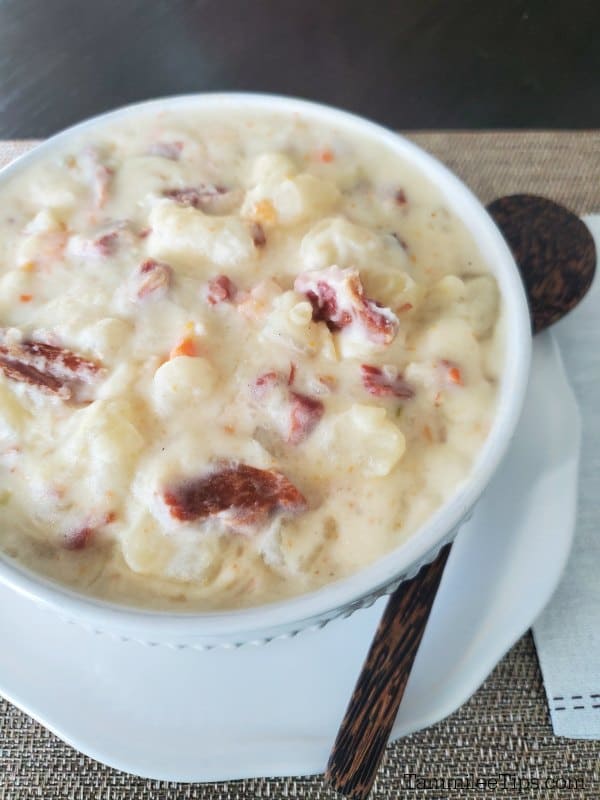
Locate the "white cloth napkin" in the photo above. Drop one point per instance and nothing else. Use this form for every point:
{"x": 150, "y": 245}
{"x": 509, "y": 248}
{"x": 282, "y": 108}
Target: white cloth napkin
{"x": 567, "y": 634}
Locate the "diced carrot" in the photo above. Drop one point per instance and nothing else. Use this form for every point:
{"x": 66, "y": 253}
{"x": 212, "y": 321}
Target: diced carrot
{"x": 26, "y": 298}
{"x": 186, "y": 347}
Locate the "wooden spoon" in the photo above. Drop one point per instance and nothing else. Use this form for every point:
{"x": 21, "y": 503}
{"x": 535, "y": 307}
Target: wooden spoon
{"x": 556, "y": 256}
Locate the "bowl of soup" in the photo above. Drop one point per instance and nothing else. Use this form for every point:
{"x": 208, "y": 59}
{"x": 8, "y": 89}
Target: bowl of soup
{"x": 258, "y": 360}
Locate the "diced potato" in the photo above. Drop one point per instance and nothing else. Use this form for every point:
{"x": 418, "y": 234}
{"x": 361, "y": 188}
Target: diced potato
{"x": 108, "y": 441}
{"x": 482, "y": 299}
{"x": 149, "y": 174}
{"x": 292, "y": 547}
{"x": 258, "y": 302}
{"x": 182, "y": 381}
{"x": 445, "y": 298}
{"x": 474, "y": 300}
{"x": 12, "y": 285}
{"x": 53, "y": 187}
{"x": 338, "y": 241}
{"x": 272, "y": 167}
{"x": 365, "y": 438}
{"x": 447, "y": 291}
{"x": 465, "y": 405}
{"x": 187, "y": 236}
{"x": 294, "y": 200}
{"x": 351, "y": 342}
{"x": 184, "y": 556}
{"x": 13, "y": 416}
{"x": 45, "y": 221}
{"x": 43, "y": 239}
{"x": 106, "y": 337}
{"x": 452, "y": 339}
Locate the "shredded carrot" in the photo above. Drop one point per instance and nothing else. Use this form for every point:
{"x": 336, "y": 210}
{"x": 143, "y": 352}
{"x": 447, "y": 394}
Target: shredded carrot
{"x": 452, "y": 372}
{"x": 326, "y": 156}
{"x": 26, "y": 298}
{"x": 455, "y": 376}
{"x": 405, "y": 307}
{"x": 186, "y": 347}
{"x": 427, "y": 433}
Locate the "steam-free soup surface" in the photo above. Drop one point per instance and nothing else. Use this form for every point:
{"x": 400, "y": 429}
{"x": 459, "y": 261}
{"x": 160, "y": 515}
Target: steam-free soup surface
{"x": 241, "y": 356}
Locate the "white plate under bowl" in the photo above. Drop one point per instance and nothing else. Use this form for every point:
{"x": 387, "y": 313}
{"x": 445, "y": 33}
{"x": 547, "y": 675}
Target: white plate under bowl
{"x": 185, "y": 715}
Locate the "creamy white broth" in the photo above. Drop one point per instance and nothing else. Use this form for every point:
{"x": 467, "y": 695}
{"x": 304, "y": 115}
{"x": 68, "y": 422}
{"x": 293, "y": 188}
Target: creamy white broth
{"x": 239, "y": 358}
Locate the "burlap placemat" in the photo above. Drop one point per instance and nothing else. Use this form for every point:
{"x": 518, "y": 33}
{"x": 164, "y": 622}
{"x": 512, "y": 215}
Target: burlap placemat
{"x": 498, "y": 745}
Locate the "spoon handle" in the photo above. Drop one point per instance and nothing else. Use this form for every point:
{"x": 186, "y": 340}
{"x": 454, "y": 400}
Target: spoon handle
{"x": 370, "y": 715}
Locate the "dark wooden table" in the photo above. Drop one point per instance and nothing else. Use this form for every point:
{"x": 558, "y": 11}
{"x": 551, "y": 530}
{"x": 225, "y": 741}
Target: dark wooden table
{"x": 409, "y": 64}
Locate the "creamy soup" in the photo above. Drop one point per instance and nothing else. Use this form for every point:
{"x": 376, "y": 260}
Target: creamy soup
{"x": 241, "y": 356}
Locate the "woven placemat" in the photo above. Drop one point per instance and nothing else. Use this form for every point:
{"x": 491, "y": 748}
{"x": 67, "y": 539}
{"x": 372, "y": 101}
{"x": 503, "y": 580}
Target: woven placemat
{"x": 499, "y": 744}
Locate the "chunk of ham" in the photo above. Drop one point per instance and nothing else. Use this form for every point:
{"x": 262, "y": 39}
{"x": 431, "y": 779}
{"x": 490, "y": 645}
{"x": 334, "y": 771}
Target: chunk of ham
{"x": 153, "y": 280}
{"x": 98, "y": 174}
{"x": 265, "y": 384}
{"x": 170, "y": 150}
{"x": 240, "y": 496}
{"x": 385, "y": 382}
{"x": 295, "y": 415}
{"x": 221, "y": 290}
{"x": 80, "y": 538}
{"x": 50, "y": 369}
{"x": 194, "y": 197}
{"x": 400, "y": 198}
{"x": 338, "y": 299}
{"x": 104, "y": 243}
{"x": 209, "y": 198}
{"x": 305, "y": 414}
{"x": 259, "y": 237}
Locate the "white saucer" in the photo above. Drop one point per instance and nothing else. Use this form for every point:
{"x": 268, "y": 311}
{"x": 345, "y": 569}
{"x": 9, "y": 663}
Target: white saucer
{"x": 272, "y": 710}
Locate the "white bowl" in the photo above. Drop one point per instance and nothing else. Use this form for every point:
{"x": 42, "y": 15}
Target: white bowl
{"x": 286, "y": 618}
